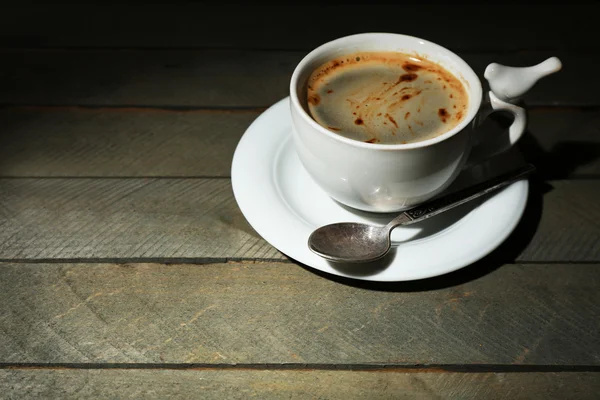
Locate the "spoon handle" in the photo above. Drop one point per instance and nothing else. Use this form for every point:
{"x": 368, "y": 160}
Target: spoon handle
{"x": 455, "y": 199}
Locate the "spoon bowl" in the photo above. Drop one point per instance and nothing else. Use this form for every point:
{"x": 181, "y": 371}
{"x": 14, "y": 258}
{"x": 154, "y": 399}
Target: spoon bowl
{"x": 350, "y": 242}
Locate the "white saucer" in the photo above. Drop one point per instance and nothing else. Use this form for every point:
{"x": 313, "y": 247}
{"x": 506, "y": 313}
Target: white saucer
{"x": 284, "y": 205}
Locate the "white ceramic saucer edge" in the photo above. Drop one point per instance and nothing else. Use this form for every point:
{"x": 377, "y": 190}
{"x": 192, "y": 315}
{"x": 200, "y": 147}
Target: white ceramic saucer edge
{"x": 258, "y": 194}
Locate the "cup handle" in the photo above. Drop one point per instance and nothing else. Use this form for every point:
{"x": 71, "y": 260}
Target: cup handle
{"x": 507, "y": 85}
{"x": 493, "y": 146}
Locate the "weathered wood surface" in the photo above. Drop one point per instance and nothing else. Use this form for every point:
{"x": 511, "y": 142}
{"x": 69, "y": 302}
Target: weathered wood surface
{"x": 568, "y": 226}
{"x": 562, "y": 143}
{"x": 243, "y": 384}
{"x": 48, "y": 142}
{"x": 282, "y": 313}
{"x": 299, "y": 25}
{"x": 95, "y": 93}
{"x": 72, "y": 141}
{"x": 221, "y": 78}
{"x": 116, "y": 219}
{"x": 198, "y": 220}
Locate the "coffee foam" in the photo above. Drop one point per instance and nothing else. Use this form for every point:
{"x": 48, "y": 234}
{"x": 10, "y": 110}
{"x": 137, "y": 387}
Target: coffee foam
{"x": 386, "y": 97}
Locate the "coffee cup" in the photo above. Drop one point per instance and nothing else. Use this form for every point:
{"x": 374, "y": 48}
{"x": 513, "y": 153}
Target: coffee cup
{"x": 378, "y": 177}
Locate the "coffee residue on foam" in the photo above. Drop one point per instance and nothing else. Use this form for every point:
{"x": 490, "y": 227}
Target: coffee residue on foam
{"x": 407, "y": 77}
{"x": 314, "y": 99}
{"x": 410, "y": 67}
{"x": 391, "y": 119}
{"x": 392, "y": 98}
{"x": 443, "y": 114}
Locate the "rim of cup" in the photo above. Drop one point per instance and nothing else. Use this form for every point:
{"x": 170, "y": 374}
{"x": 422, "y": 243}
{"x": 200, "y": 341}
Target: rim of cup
{"x": 467, "y": 76}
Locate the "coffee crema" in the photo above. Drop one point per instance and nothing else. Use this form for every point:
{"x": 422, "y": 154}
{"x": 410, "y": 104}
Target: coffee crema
{"x": 386, "y": 97}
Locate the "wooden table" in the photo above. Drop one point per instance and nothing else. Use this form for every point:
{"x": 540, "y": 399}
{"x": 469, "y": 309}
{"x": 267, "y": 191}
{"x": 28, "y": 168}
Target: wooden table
{"x": 127, "y": 269}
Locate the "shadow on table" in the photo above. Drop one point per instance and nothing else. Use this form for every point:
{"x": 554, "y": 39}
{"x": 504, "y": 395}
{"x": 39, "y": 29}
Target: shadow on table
{"x": 564, "y": 158}
{"x": 559, "y": 162}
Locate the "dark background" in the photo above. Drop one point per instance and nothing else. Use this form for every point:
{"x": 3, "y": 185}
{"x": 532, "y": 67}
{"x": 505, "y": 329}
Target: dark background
{"x": 507, "y": 26}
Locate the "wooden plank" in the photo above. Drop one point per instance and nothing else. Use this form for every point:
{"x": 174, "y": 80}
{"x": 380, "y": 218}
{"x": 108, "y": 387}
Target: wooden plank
{"x": 119, "y": 218}
{"x": 282, "y": 313}
{"x": 119, "y": 142}
{"x": 299, "y": 26}
{"x": 568, "y": 227}
{"x": 219, "y": 384}
{"x": 53, "y": 142}
{"x": 562, "y": 143}
{"x": 222, "y": 78}
{"x": 198, "y": 220}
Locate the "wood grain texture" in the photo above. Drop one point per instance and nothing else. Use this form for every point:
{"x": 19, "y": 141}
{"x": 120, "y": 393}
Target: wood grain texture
{"x": 198, "y": 220}
{"x": 568, "y": 228}
{"x": 294, "y": 24}
{"x": 222, "y": 78}
{"x": 119, "y": 142}
{"x": 562, "y": 143}
{"x": 207, "y": 384}
{"x": 281, "y": 313}
{"x": 83, "y": 142}
{"x": 119, "y": 218}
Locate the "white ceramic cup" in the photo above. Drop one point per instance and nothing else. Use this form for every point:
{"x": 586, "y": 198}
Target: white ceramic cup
{"x": 392, "y": 177}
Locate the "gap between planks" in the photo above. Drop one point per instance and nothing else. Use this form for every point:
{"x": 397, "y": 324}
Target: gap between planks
{"x": 153, "y": 108}
{"x": 217, "y": 260}
{"x": 590, "y": 177}
{"x": 222, "y": 109}
{"x": 149, "y": 49}
{"x": 410, "y": 368}
{"x": 164, "y": 261}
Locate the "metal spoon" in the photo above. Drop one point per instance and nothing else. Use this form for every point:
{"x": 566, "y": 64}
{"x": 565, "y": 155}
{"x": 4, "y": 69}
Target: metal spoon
{"x": 354, "y": 242}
